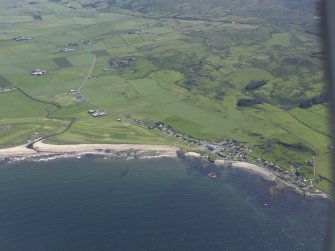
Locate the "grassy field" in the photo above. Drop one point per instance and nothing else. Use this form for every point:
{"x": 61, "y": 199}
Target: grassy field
{"x": 185, "y": 66}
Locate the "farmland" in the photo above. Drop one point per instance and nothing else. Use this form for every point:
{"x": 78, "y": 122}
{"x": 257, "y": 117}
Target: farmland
{"x": 159, "y": 64}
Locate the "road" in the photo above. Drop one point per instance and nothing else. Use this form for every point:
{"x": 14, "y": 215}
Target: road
{"x": 89, "y": 73}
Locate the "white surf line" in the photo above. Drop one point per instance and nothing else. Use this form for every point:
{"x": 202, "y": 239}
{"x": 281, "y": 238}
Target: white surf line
{"x": 90, "y": 72}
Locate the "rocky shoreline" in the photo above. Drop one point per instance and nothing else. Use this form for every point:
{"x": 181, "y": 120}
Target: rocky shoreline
{"x": 105, "y": 155}
{"x": 279, "y": 184}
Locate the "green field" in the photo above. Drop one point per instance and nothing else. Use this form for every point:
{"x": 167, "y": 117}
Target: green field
{"x": 186, "y": 66}
{"x": 62, "y": 62}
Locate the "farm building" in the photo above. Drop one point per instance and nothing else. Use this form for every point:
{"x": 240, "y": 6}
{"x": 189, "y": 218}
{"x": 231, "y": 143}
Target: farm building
{"x": 38, "y": 72}
{"x": 21, "y": 38}
{"x": 66, "y": 49}
{"x": 97, "y": 113}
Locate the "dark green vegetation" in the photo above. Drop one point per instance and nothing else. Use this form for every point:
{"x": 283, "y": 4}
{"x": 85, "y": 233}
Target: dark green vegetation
{"x": 184, "y": 63}
{"x": 255, "y": 85}
{"x": 62, "y": 62}
{"x": 248, "y": 102}
{"x": 313, "y": 101}
{"x": 100, "y": 53}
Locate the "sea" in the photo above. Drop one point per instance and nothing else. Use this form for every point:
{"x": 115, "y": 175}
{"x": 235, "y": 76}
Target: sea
{"x": 96, "y": 204}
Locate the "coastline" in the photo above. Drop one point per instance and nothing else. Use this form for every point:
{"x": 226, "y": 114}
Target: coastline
{"x": 46, "y": 152}
{"x": 265, "y": 174}
{"x": 272, "y": 176}
{"x": 261, "y": 171}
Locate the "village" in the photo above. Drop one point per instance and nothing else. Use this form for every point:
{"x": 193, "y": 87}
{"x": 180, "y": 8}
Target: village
{"x": 223, "y": 148}
{"x": 230, "y": 150}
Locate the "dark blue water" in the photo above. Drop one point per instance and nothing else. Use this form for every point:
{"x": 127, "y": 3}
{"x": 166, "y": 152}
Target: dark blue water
{"x": 161, "y": 204}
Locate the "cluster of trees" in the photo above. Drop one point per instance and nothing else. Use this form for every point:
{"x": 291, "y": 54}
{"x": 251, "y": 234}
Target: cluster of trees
{"x": 322, "y": 98}
{"x": 319, "y": 55}
{"x": 37, "y": 17}
{"x": 219, "y": 95}
{"x": 255, "y": 85}
{"x": 91, "y": 5}
{"x": 248, "y": 102}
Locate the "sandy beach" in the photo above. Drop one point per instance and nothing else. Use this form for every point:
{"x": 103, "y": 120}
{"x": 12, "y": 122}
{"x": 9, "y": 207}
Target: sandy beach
{"x": 238, "y": 164}
{"x": 165, "y": 150}
{"x": 266, "y": 174}
{"x": 17, "y": 151}
{"x": 193, "y": 155}
{"x": 42, "y": 149}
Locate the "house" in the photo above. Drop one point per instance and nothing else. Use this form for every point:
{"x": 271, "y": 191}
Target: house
{"x": 66, "y": 49}
{"x": 71, "y": 44}
{"x": 97, "y": 113}
{"x": 80, "y": 99}
{"x": 211, "y": 148}
{"x": 38, "y": 72}
{"x": 21, "y": 38}
{"x": 87, "y": 42}
{"x": 212, "y": 175}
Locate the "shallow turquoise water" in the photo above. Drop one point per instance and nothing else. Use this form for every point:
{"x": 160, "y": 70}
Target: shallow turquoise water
{"x": 162, "y": 204}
